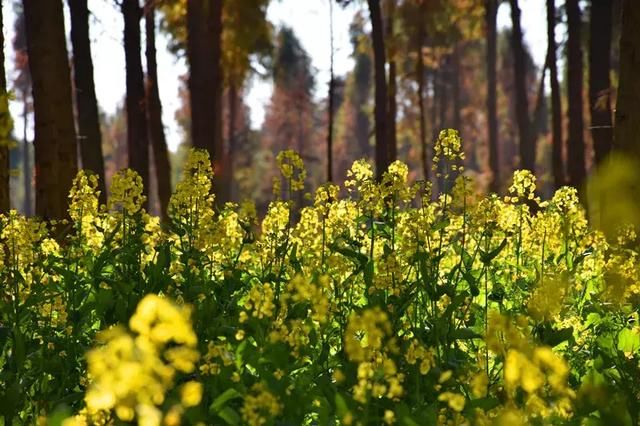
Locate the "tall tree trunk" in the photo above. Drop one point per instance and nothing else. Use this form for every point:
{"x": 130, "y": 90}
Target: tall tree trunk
{"x": 527, "y": 144}
{"x": 55, "y": 136}
{"x": 557, "y": 164}
{"x": 4, "y": 143}
{"x": 423, "y": 126}
{"x": 380, "y": 106}
{"x": 331, "y": 99}
{"x": 491, "y": 11}
{"x": 576, "y": 163}
{"x": 154, "y": 114}
{"x": 89, "y": 136}
{"x": 599, "y": 81}
{"x": 392, "y": 84}
{"x": 137, "y": 135}
{"x": 26, "y": 163}
{"x": 627, "y": 123}
{"x": 204, "y": 39}
{"x": 443, "y": 118}
{"x": 232, "y": 94}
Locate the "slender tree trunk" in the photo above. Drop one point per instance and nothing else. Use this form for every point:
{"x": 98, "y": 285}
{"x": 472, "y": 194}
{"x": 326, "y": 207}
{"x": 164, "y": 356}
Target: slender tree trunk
{"x": 137, "y": 135}
{"x": 4, "y": 143}
{"x": 423, "y": 126}
{"x": 527, "y": 144}
{"x": 491, "y": 11}
{"x": 26, "y": 163}
{"x": 380, "y": 106}
{"x": 443, "y": 119}
{"x": 89, "y": 136}
{"x": 154, "y": 115}
{"x": 599, "y": 81}
{"x": 577, "y": 168}
{"x": 557, "y": 164}
{"x": 392, "y": 85}
{"x": 55, "y": 136}
{"x": 627, "y": 124}
{"x": 232, "y": 94}
{"x": 204, "y": 39}
{"x": 331, "y": 99}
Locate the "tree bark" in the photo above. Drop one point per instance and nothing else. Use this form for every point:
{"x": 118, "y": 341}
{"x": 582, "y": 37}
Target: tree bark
{"x": 527, "y": 144}
{"x": 381, "y": 100}
{"x": 423, "y": 126}
{"x": 331, "y": 99}
{"x": 137, "y": 135}
{"x": 88, "y": 125}
{"x": 154, "y": 115}
{"x": 204, "y": 39}
{"x": 55, "y": 136}
{"x": 557, "y": 164}
{"x": 392, "y": 85}
{"x": 576, "y": 163}
{"x": 232, "y": 94}
{"x": 599, "y": 80}
{"x": 26, "y": 163}
{"x": 627, "y": 123}
{"x": 491, "y": 10}
{"x": 4, "y": 144}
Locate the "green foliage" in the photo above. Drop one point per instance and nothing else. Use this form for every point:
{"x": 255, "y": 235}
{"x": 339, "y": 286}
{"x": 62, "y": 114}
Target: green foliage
{"x": 380, "y": 306}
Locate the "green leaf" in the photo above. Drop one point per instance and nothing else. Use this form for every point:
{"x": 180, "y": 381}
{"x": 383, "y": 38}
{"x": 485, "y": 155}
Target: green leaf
{"x": 628, "y": 341}
{"x": 223, "y": 398}
{"x": 230, "y": 416}
{"x": 488, "y": 257}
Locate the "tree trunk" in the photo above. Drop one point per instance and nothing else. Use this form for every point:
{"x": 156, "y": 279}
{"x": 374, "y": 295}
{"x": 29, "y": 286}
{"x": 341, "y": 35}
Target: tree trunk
{"x": 137, "y": 135}
{"x": 491, "y": 11}
{"x": 527, "y": 144}
{"x": 577, "y": 168}
{"x": 154, "y": 115}
{"x": 599, "y": 81}
{"x": 423, "y": 126}
{"x": 557, "y": 164}
{"x": 232, "y": 94}
{"x": 627, "y": 124}
{"x": 89, "y": 136}
{"x": 380, "y": 106}
{"x": 392, "y": 85}
{"x": 55, "y": 136}
{"x": 4, "y": 143}
{"x": 26, "y": 163}
{"x": 331, "y": 99}
{"x": 204, "y": 38}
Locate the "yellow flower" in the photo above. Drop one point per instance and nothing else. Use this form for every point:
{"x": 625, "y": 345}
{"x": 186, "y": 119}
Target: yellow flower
{"x": 191, "y": 394}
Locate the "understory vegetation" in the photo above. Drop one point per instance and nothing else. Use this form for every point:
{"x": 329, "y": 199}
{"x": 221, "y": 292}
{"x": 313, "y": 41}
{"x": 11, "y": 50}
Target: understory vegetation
{"x": 376, "y": 303}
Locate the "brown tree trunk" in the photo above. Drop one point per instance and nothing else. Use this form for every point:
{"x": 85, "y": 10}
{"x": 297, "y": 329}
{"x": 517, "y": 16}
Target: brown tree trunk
{"x": 331, "y": 99}
{"x": 55, "y": 136}
{"x": 423, "y": 126}
{"x": 204, "y": 39}
{"x": 154, "y": 115}
{"x": 576, "y": 163}
{"x": 627, "y": 124}
{"x": 392, "y": 85}
{"x": 599, "y": 81}
{"x": 4, "y": 143}
{"x": 491, "y": 11}
{"x": 232, "y": 94}
{"x": 89, "y": 136}
{"x": 557, "y": 164}
{"x": 527, "y": 144}
{"x": 137, "y": 135}
{"x": 26, "y": 163}
{"x": 381, "y": 100}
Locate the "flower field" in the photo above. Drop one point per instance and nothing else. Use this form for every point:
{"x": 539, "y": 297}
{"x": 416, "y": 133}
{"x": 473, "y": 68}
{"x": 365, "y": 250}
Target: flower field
{"x": 376, "y": 303}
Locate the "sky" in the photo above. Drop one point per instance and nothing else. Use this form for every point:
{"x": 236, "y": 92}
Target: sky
{"x": 308, "y": 18}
